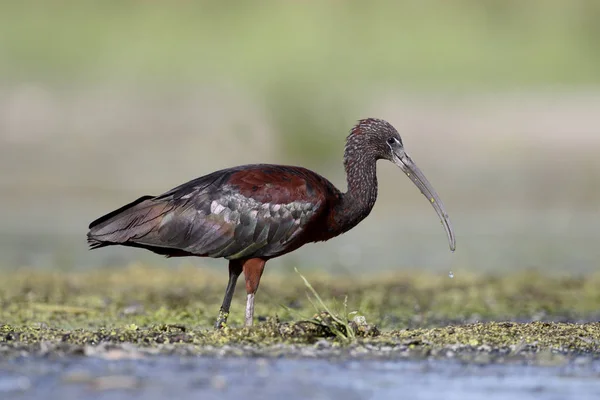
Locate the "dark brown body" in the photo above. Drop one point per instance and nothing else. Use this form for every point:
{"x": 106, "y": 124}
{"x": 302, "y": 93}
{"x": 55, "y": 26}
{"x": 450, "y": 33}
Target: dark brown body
{"x": 252, "y": 213}
{"x": 245, "y": 212}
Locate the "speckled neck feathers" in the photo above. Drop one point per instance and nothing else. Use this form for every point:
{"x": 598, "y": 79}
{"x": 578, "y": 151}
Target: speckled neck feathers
{"x": 360, "y": 163}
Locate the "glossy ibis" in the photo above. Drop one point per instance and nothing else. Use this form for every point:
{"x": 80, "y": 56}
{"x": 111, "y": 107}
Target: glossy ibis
{"x": 252, "y": 213}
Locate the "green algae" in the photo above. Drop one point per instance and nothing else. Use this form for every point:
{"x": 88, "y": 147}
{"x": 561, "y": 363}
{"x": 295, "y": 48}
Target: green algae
{"x": 412, "y": 313}
{"x": 481, "y": 342}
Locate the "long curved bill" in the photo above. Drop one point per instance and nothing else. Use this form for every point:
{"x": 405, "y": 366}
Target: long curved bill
{"x": 407, "y": 165}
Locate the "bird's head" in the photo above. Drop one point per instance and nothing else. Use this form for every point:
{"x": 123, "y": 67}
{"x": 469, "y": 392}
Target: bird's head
{"x": 378, "y": 139}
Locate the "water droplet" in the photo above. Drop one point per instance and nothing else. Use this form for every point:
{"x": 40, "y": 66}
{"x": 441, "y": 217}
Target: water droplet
{"x": 451, "y": 274}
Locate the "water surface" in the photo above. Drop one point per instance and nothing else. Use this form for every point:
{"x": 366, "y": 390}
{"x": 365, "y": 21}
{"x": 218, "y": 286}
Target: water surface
{"x": 235, "y": 378}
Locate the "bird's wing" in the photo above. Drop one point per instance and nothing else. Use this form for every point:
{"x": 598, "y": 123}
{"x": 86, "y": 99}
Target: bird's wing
{"x": 234, "y": 213}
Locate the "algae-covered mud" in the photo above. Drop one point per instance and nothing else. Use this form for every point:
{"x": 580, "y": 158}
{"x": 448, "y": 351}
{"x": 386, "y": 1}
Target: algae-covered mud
{"x": 138, "y": 311}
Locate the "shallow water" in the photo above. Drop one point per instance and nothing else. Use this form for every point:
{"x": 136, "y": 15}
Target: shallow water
{"x": 235, "y": 378}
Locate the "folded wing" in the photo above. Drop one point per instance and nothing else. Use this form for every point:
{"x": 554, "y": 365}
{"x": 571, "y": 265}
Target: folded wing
{"x": 250, "y": 211}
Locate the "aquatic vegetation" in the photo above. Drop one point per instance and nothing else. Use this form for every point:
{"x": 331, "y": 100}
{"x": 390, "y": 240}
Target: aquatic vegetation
{"x": 408, "y": 314}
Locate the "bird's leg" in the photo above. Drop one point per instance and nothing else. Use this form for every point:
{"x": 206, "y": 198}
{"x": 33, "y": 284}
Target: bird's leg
{"x": 235, "y": 269}
{"x": 253, "y": 269}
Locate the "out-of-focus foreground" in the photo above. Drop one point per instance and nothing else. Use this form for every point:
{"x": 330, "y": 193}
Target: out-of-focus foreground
{"x": 498, "y": 103}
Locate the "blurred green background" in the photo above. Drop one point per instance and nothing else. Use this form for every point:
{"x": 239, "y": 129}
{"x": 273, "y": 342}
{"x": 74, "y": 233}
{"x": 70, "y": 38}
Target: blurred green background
{"x": 498, "y": 102}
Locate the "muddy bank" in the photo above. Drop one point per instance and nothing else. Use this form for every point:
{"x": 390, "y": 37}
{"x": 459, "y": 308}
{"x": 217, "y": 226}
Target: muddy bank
{"x": 139, "y": 311}
{"x": 538, "y": 342}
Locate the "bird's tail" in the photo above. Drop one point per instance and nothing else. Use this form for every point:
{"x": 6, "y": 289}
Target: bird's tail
{"x": 95, "y": 243}
{"x": 119, "y": 225}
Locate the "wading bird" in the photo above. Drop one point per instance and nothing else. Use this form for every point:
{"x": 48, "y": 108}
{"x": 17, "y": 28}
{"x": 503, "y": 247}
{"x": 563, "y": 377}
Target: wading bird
{"x": 252, "y": 213}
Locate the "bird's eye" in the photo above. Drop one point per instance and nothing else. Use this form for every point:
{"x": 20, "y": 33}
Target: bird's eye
{"x": 391, "y": 140}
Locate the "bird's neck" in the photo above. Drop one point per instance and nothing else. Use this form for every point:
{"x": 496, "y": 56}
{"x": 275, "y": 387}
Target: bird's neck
{"x": 358, "y": 201}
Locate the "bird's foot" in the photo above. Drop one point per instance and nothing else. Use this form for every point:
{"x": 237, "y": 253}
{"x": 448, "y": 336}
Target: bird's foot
{"x": 221, "y": 320}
